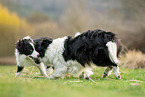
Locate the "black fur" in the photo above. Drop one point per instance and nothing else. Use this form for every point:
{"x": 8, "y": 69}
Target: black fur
{"x": 89, "y": 47}
{"x": 50, "y": 66}
{"x": 19, "y": 69}
{"x": 41, "y": 45}
{"x": 24, "y": 47}
{"x": 36, "y": 60}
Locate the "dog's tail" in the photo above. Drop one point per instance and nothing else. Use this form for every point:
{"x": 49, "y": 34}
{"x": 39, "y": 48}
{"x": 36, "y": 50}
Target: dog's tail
{"x": 112, "y": 48}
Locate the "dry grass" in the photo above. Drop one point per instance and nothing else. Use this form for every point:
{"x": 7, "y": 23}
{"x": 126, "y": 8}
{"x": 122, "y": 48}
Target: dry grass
{"x": 133, "y": 59}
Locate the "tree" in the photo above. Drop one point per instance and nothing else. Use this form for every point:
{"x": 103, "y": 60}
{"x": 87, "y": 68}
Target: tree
{"x": 12, "y": 27}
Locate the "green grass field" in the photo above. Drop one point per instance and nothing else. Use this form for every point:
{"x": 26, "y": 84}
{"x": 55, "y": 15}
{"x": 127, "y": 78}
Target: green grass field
{"x": 30, "y": 84}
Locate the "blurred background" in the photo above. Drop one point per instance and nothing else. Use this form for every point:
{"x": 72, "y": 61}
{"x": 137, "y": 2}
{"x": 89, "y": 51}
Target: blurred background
{"x": 57, "y": 18}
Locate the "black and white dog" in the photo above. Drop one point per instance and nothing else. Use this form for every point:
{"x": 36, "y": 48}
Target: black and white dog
{"x": 29, "y": 51}
{"x": 75, "y": 54}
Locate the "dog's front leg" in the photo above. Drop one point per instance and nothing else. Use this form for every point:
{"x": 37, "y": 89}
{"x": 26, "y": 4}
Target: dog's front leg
{"x": 42, "y": 69}
{"x": 107, "y": 71}
{"x": 19, "y": 71}
{"x": 49, "y": 69}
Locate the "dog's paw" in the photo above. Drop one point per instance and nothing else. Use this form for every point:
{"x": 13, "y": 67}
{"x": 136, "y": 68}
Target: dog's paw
{"x": 119, "y": 76}
{"x": 104, "y": 75}
{"x": 17, "y": 74}
{"x": 84, "y": 76}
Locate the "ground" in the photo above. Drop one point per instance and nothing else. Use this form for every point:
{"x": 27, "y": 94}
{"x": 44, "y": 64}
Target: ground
{"x": 30, "y": 84}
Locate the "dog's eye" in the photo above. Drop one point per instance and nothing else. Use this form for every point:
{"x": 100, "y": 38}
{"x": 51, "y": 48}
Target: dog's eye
{"x": 30, "y": 40}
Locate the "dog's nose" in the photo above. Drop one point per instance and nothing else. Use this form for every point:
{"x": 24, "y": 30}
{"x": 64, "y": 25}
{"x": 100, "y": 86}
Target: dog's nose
{"x": 31, "y": 57}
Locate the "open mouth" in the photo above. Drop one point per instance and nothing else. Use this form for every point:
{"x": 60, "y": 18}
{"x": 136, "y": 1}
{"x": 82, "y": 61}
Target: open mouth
{"x": 36, "y": 60}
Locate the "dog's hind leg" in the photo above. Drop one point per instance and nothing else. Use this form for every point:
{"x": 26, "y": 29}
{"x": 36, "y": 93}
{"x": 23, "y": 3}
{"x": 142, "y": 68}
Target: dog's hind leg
{"x": 85, "y": 75}
{"x": 42, "y": 69}
{"x": 112, "y": 49}
{"x": 107, "y": 71}
{"x": 59, "y": 72}
{"x": 19, "y": 71}
{"x": 116, "y": 72}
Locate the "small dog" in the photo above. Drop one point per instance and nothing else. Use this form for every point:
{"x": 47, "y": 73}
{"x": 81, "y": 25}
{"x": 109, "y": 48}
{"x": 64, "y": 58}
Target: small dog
{"x": 29, "y": 51}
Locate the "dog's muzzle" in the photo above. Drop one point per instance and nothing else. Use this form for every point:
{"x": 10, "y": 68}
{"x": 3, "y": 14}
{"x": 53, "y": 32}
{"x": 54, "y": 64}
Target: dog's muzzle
{"x": 36, "y": 60}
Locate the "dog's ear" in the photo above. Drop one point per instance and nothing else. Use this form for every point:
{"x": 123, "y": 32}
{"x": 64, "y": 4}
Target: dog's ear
{"x": 18, "y": 43}
{"x": 23, "y": 41}
{"x": 46, "y": 42}
{"x": 111, "y": 34}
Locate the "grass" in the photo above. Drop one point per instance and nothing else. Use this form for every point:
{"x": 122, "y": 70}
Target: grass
{"x": 30, "y": 84}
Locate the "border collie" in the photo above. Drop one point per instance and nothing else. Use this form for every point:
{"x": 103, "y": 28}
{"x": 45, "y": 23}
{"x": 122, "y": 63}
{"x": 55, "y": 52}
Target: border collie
{"x": 28, "y": 51}
{"x": 75, "y": 54}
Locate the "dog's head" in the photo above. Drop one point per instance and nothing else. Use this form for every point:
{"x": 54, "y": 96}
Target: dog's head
{"x": 26, "y": 46}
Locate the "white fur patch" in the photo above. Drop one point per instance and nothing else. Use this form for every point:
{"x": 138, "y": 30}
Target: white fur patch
{"x": 78, "y": 33}
{"x": 112, "y": 48}
{"x": 23, "y": 60}
{"x": 49, "y": 70}
{"x": 34, "y": 54}
{"x": 27, "y": 37}
{"x": 116, "y": 71}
